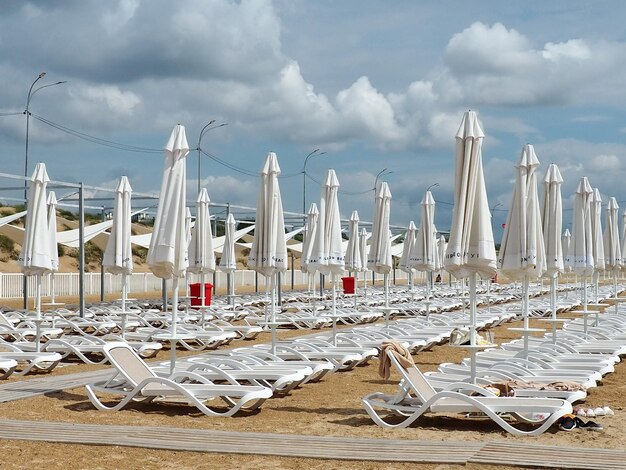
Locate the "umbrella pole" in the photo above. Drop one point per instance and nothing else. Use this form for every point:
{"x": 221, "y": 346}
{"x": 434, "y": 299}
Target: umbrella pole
{"x": 38, "y": 313}
{"x": 332, "y": 280}
{"x": 273, "y": 313}
{"x": 202, "y": 298}
{"x": 526, "y": 312}
{"x": 124, "y": 295}
{"x": 472, "y": 296}
{"x": 52, "y": 294}
{"x": 553, "y": 306}
{"x": 596, "y": 280}
{"x": 615, "y": 290}
{"x": 583, "y": 283}
{"x": 173, "y": 327}
{"x": 386, "y": 281}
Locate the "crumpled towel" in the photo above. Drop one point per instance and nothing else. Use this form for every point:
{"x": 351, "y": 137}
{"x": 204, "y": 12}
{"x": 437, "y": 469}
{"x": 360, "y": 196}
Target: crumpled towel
{"x": 399, "y": 351}
{"x": 506, "y": 385}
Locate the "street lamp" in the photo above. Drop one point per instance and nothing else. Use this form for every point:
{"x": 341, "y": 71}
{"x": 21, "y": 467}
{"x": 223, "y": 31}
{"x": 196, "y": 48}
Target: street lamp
{"x": 306, "y": 160}
{"x": 27, "y": 113}
{"x": 494, "y": 208}
{"x": 380, "y": 173}
{"x": 204, "y": 130}
{"x": 434, "y": 185}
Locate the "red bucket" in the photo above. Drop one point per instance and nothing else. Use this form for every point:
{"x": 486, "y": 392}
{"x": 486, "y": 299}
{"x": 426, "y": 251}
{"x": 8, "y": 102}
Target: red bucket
{"x": 348, "y": 285}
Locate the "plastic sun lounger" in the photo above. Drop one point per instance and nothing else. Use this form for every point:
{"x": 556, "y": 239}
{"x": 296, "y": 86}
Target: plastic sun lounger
{"x": 141, "y": 383}
{"x": 416, "y": 396}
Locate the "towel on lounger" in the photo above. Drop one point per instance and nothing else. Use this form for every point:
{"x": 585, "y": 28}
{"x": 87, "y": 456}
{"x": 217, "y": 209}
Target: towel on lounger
{"x": 399, "y": 351}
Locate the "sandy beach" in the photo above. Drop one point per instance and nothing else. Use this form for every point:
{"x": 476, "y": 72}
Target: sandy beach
{"x": 331, "y": 407}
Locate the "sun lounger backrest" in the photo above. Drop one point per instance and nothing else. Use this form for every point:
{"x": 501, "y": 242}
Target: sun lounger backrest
{"x": 4, "y": 321}
{"x": 128, "y": 363}
{"x": 419, "y": 385}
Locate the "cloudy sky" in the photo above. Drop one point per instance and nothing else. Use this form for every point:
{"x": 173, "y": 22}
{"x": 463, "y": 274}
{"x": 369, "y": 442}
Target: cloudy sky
{"x": 376, "y": 85}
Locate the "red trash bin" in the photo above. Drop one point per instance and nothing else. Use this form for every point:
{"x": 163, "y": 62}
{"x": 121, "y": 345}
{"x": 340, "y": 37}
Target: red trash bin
{"x": 348, "y": 285}
{"x": 194, "y": 292}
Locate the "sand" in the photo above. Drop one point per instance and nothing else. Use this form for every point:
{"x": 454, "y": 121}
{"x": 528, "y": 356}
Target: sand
{"x": 331, "y": 407}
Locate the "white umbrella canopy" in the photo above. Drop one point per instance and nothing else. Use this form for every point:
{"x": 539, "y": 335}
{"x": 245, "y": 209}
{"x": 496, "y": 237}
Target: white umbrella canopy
{"x": 423, "y": 256}
{"x": 167, "y": 254}
{"x": 309, "y": 238}
{"x": 522, "y": 251}
{"x": 363, "y": 249}
{"x": 35, "y": 257}
{"x": 580, "y": 252}
{"x": 612, "y": 248}
{"x": 471, "y": 249}
{"x": 596, "y": 230}
{"x": 566, "y": 242}
{"x": 379, "y": 258}
{"x": 409, "y": 243}
{"x": 268, "y": 254}
{"x": 623, "y": 239}
{"x": 353, "y": 258}
{"x": 327, "y": 254}
{"x": 118, "y": 255}
{"x": 52, "y": 231}
{"x": 552, "y": 221}
{"x": 228, "y": 261}
{"x": 201, "y": 252}
{"x": 441, "y": 249}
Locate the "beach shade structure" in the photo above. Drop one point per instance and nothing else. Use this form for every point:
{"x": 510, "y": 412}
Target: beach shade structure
{"x": 353, "y": 255}
{"x": 310, "y": 232}
{"x": 35, "y": 258}
{"x": 363, "y": 253}
{"x": 228, "y": 261}
{"x": 408, "y": 246}
{"x": 612, "y": 248}
{"x": 268, "y": 254}
{"x": 167, "y": 254}
{"x": 442, "y": 245}
{"x": 379, "y": 257}
{"x": 552, "y": 224}
{"x": 471, "y": 251}
{"x": 623, "y": 239}
{"x": 522, "y": 251}
{"x": 423, "y": 256}
{"x": 118, "y": 255}
{"x": 597, "y": 241}
{"x": 353, "y": 258}
{"x": 327, "y": 252}
{"x": 580, "y": 253}
{"x": 201, "y": 253}
{"x": 52, "y": 238}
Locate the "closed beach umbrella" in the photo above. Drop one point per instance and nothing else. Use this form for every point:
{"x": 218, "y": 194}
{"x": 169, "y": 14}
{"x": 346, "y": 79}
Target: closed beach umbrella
{"x": 201, "y": 252}
{"x": 423, "y": 256}
{"x": 118, "y": 256}
{"x": 35, "y": 258}
{"x": 309, "y": 238}
{"x": 52, "y": 237}
{"x": 442, "y": 245}
{"x": 566, "y": 242}
{"x": 379, "y": 257}
{"x": 522, "y": 252}
{"x": 580, "y": 253}
{"x": 353, "y": 258}
{"x": 409, "y": 243}
{"x": 612, "y": 248}
{"x": 623, "y": 239}
{"x": 552, "y": 223}
{"x": 167, "y": 254}
{"x": 596, "y": 229}
{"x": 268, "y": 254}
{"x": 228, "y": 261}
{"x": 471, "y": 250}
{"x": 363, "y": 253}
{"x": 327, "y": 253}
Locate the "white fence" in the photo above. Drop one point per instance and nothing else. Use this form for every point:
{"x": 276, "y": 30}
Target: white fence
{"x": 66, "y": 284}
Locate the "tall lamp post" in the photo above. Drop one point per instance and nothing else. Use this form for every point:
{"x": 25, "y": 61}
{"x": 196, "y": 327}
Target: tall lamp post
{"x": 306, "y": 160}
{"x": 384, "y": 171}
{"x": 31, "y": 93}
{"x": 204, "y": 130}
{"x": 434, "y": 185}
